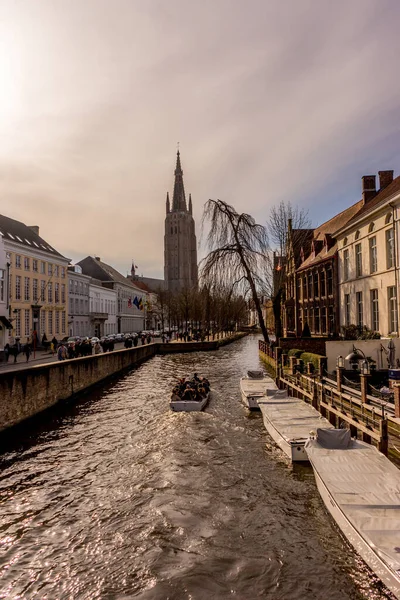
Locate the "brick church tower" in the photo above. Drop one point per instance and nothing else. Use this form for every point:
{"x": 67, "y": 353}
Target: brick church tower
{"x": 180, "y": 247}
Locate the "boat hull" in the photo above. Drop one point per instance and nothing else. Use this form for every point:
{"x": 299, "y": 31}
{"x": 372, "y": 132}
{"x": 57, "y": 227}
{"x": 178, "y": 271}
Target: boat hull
{"x": 294, "y": 449}
{"x": 368, "y": 551}
{"x": 178, "y": 405}
{"x": 252, "y": 390}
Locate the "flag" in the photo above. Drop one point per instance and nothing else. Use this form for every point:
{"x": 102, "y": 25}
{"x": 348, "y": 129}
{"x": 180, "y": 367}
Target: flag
{"x": 136, "y": 302}
{"x": 129, "y": 302}
{"x": 140, "y": 304}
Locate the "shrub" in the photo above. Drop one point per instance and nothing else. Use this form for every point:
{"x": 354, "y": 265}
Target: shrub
{"x": 295, "y": 352}
{"x": 312, "y": 358}
{"x": 354, "y": 332}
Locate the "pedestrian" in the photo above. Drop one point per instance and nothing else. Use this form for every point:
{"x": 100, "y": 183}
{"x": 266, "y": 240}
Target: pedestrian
{"x": 52, "y": 349}
{"x": 97, "y": 348}
{"x": 27, "y": 351}
{"x": 55, "y": 341}
{"x": 61, "y": 352}
{"x": 6, "y": 352}
{"x": 148, "y": 338}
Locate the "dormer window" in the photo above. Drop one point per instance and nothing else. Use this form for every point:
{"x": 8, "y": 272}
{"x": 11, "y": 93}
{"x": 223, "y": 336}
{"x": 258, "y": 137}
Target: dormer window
{"x": 371, "y": 227}
{"x": 357, "y": 234}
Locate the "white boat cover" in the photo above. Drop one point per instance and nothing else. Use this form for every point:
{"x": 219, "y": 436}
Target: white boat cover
{"x": 366, "y": 487}
{"x": 255, "y": 374}
{"x": 293, "y": 418}
{"x": 334, "y": 438}
{"x": 256, "y": 387}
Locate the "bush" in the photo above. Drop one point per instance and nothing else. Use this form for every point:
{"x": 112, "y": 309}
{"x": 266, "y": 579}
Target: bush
{"x": 312, "y": 358}
{"x": 354, "y": 332}
{"x": 295, "y": 352}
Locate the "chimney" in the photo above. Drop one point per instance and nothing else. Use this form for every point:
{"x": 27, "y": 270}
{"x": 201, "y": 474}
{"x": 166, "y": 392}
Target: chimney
{"x": 35, "y": 228}
{"x": 368, "y": 187}
{"x": 97, "y": 258}
{"x": 385, "y": 179}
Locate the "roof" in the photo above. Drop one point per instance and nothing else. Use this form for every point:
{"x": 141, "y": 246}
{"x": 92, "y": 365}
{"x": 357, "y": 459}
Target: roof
{"x": 322, "y": 256}
{"x": 18, "y": 232}
{"x": 100, "y": 270}
{"x": 140, "y": 285}
{"x": 392, "y": 189}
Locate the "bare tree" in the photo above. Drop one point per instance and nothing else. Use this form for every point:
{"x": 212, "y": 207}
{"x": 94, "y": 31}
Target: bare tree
{"x": 237, "y": 253}
{"x": 277, "y": 227}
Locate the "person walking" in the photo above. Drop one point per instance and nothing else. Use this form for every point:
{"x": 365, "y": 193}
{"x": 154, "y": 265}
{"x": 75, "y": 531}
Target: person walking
{"x": 6, "y": 352}
{"x": 61, "y": 352}
{"x": 97, "y": 348}
{"x": 27, "y": 351}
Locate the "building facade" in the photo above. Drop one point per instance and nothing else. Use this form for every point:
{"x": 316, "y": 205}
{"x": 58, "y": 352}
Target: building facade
{"x": 131, "y": 299}
{"x": 368, "y": 247}
{"x": 180, "y": 246}
{"x": 79, "y": 323}
{"x": 37, "y": 277}
{"x": 5, "y": 323}
{"x": 102, "y": 309}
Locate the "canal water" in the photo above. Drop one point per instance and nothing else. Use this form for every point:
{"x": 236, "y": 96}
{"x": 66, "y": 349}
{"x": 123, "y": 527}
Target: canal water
{"x": 116, "y": 497}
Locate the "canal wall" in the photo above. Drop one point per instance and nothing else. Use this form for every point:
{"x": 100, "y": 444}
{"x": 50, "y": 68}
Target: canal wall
{"x": 25, "y": 393}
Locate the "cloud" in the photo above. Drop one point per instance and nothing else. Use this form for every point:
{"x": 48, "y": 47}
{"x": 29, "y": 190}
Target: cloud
{"x": 270, "y": 101}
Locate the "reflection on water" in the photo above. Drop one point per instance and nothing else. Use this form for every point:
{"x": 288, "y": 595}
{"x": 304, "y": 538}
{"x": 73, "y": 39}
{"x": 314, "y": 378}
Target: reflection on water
{"x": 117, "y": 497}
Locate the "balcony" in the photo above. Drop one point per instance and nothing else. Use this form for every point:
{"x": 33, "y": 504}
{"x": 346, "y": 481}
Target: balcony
{"x": 98, "y": 316}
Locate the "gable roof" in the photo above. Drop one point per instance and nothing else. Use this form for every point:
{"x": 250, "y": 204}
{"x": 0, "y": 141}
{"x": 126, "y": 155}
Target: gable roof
{"x": 16, "y": 231}
{"x": 382, "y": 195}
{"x": 98, "y": 269}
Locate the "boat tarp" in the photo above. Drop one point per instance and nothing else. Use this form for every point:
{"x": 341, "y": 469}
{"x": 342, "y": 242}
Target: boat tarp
{"x": 255, "y": 374}
{"x": 334, "y": 438}
{"x": 366, "y": 487}
{"x": 257, "y": 387}
{"x": 292, "y": 418}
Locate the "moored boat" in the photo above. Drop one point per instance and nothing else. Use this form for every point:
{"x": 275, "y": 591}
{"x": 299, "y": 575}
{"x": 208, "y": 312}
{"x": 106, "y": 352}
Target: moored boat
{"x": 253, "y": 387}
{"x": 361, "y": 489}
{"x": 289, "y": 422}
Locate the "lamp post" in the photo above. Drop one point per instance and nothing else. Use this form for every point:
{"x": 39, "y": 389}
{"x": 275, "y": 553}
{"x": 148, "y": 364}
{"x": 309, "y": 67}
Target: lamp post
{"x": 364, "y": 374}
{"x": 339, "y": 372}
{"x": 355, "y": 356}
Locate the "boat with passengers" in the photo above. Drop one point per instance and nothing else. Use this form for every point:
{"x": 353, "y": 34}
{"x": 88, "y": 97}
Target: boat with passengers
{"x": 190, "y": 394}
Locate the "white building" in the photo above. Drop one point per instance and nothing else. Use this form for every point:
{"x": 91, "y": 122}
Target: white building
{"x": 102, "y": 309}
{"x": 79, "y": 323}
{"x": 5, "y": 323}
{"x": 368, "y": 260}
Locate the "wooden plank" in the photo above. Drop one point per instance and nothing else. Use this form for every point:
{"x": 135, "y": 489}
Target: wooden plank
{"x": 371, "y": 432}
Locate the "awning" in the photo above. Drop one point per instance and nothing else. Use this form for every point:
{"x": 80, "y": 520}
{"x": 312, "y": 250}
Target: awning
{"x": 5, "y": 322}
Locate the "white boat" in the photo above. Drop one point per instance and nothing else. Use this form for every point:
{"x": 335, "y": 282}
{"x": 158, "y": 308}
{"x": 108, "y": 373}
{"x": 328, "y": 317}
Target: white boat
{"x": 289, "y": 422}
{"x": 253, "y": 386}
{"x": 177, "y": 404}
{"x": 361, "y": 489}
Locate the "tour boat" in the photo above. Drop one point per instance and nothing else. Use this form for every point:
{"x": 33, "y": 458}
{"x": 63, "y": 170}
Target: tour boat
{"x": 361, "y": 489}
{"x": 253, "y": 387}
{"x": 289, "y": 422}
{"x": 177, "y": 404}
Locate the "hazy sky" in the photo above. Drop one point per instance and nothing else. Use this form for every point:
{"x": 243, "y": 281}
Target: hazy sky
{"x": 270, "y": 100}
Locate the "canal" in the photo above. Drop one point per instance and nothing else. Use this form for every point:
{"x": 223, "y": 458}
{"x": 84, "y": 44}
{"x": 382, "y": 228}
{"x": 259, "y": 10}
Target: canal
{"x": 116, "y": 497}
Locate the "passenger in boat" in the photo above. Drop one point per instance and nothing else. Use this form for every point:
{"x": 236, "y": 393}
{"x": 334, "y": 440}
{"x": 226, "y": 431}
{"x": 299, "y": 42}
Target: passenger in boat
{"x": 196, "y": 378}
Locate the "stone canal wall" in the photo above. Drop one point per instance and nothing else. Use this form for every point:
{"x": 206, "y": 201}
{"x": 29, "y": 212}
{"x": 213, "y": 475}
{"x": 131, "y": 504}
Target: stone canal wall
{"x": 25, "y": 393}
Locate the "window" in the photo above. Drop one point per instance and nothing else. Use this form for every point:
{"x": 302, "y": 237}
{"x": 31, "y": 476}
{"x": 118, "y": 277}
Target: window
{"x": 310, "y": 282}
{"x": 63, "y": 321}
{"x": 323, "y": 319}
{"x": 345, "y": 241}
{"x": 374, "y": 310}
{"x": 63, "y": 272}
{"x": 26, "y": 288}
{"x": 35, "y": 290}
{"x": 27, "y": 264}
{"x": 18, "y": 323}
{"x": 316, "y": 285}
{"x": 17, "y": 261}
{"x": 322, "y": 283}
{"x": 388, "y": 218}
{"x": 50, "y": 322}
{"x": 389, "y": 248}
{"x": 50, "y": 292}
{"x": 392, "y": 309}
{"x": 346, "y": 264}
{"x": 373, "y": 258}
{"x": 18, "y": 287}
{"x": 347, "y": 310}
{"x": 43, "y": 291}
{"x": 49, "y": 269}
{"x": 358, "y": 260}
{"x": 316, "y": 320}
{"x": 35, "y": 265}
{"x": 43, "y": 268}
{"x": 2, "y": 284}
{"x": 27, "y": 322}
{"x": 329, "y": 276}
{"x": 56, "y": 293}
{"x": 56, "y": 270}
{"x": 331, "y": 319}
{"x": 371, "y": 227}
{"x": 357, "y": 235}
{"x": 359, "y": 303}
{"x": 63, "y": 293}
{"x": 57, "y": 321}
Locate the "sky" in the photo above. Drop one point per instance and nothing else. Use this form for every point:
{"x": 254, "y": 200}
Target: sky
{"x": 270, "y": 101}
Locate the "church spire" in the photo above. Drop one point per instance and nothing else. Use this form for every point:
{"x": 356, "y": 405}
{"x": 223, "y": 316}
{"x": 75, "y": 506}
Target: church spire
{"x": 190, "y": 204}
{"x": 168, "y": 208}
{"x": 179, "y": 199}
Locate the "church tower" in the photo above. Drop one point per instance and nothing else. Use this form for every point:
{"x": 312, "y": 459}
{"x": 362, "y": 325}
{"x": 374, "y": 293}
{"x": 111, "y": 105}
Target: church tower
{"x": 180, "y": 247}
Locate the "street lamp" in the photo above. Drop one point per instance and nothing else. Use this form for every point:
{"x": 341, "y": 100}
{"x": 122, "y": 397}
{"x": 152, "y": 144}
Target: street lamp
{"x": 364, "y": 367}
{"x": 355, "y": 356}
{"x": 340, "y": 362}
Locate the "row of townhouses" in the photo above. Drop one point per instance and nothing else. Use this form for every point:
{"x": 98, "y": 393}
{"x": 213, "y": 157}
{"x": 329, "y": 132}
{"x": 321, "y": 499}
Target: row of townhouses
{"x": 41, "y": 293}
{"x": 346, "y": 271}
